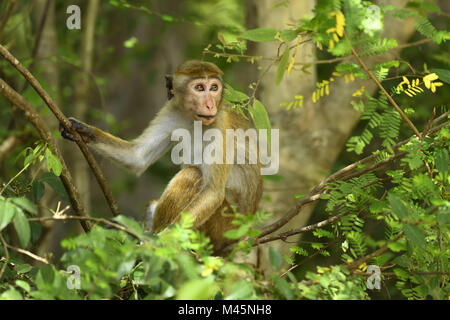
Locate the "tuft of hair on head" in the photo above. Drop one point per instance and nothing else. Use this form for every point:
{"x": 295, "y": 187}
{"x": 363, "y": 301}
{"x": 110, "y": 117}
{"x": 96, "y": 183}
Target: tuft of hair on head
{"x": 199, "y": 68}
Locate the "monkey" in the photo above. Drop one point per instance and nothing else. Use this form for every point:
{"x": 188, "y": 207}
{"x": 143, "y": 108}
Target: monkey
{"x": 211, "y": 192}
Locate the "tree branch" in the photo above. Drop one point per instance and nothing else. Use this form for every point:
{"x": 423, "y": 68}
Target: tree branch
{"x": 29, "y": 254}
{"x": 309, "y": 228}
{"x": 355, "y": 264}
{"x": 388, "y": 96}
{"x": 67, "y": 125}
{"x": 343, "y": 174}
{"x": 5, "y": 247}
{"x": 99, "y": 220}
{"x": 32, "y": 116}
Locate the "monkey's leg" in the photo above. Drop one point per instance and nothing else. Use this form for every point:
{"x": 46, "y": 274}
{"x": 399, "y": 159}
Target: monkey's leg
{"x": 179, "y": 192}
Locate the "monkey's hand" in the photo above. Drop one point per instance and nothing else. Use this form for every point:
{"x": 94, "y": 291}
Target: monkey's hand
{"x": 83, "y": 129}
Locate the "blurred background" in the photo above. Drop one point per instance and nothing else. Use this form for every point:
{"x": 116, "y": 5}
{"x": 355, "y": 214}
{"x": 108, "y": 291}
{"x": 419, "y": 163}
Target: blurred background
{"x": 110, "y": 73}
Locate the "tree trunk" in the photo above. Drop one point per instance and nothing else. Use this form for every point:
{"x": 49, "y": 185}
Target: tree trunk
{"x": 44, "y": 50}
{"x": 311, "y": 137}
{"x": 83, "y": 82}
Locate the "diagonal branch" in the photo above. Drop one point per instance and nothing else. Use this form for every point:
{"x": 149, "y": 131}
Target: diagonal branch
{"x": 355, "y": 264}
{"x": 31, "y": 114}
{"x": 284, "y": 235}
{"x": 5, "y": 248}
{"x": 98, "y": 220}
{"x": 388, "y": 96}
{"x": 67, "y": 125}
{"x": 29, "y": 254}
{"x": 343, "y": 174}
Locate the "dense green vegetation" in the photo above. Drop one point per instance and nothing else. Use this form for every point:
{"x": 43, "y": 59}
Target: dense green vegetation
{"x": 386, "y": 207}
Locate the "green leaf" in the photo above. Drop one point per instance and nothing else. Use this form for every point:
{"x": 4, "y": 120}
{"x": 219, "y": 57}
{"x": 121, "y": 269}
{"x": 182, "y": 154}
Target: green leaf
{"x": 298, "y": 250}
{"x": 24, "y": 285}
{"x": 37, "y": 190}
{"x": 260, "y": 34}
{"x": 55, "y": 183}
{"x": 282, "y": 66}
{"x": 260, "y": 117}
{"x": 233, "y": 95}
{"x": 254, "y": 233}
{"x": 319, "y": 233}
{"x": 443, "y": 74}
{"x": 275, "y": 258}
{"x": 167, "y": 18}
{"x": 45, "y": 277}
{"x": 22, "y": 228}
{"x": 7, "y": 210}
{"x": 317, "y": 245}
{"x": 24, "y": 268}
{"x": 241, "y": 290}
{"x": 288, "y": 35}
{"x": 398, "y": 208}
{"x": 402, "y": 274}
{"x": 25, "y": 204}
{"x": 200, "y": 289}
{"x": 130, "y": 43}
{"x": 283, "y": 288}
{"x": 441, "y": 160}
{"x": 130, "y": 224}
{"x": 53, "y": 163}
{"x": 342, "y": 48}
{"x": 237, "y": 233}
{"x": 11, "y": 294}
{"x": 397, "y": 246}
{"x": 443, "y": 216}
{"x": 430, "y": 6}
{"x": 378, "y": 206}
{"x": 125, "y": 267}
{"x": 415, "y": 235}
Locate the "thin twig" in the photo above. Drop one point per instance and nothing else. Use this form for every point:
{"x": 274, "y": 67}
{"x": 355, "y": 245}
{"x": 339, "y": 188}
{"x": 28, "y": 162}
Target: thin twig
{"x": 355, "y": 264}
{"x": 412, "y": 44}
{"x": 309, "y": 228}
{"x": 29, "y": 254}
{"x": 14, "y": 178}
{"x": 5, "y": 247}
{"x": 388, "y": 96}
{"x": 329, "y": 244}
{"x": 31, "y": 114}
{"x": 317, "y": 191}
{"x": 67, "y": 125}
{"x": 98, "y": 220}
{"x": 341, "y": 174}
{"x": 392, "y": 274}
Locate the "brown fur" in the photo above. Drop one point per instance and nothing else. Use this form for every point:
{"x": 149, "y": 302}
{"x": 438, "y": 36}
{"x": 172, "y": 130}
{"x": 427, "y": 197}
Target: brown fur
{"x": 206, "y": 191}
{"x": 187, "y": 184}
{"x": 195, "y": 68}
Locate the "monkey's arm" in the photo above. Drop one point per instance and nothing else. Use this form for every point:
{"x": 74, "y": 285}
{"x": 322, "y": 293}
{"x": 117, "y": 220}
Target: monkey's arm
{"x": 134, "y": 155}
{"x": 211, "y": 195}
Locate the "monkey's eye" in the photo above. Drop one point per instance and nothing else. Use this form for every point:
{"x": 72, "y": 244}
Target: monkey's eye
{"x": 214, "y": 87}
{"x": 199, "y": 87}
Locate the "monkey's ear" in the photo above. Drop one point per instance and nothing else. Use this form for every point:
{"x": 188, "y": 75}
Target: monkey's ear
{"x": 169, "y": 86}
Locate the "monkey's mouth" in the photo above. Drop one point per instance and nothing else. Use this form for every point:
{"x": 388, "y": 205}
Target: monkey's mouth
{"x": 201, "y": 116}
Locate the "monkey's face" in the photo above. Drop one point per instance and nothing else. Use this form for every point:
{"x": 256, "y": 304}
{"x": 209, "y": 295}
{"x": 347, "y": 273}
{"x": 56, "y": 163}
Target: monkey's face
{"x": 203, "y": 99}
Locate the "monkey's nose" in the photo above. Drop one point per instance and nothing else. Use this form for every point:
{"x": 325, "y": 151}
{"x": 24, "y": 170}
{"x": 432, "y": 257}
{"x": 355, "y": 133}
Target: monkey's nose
{"x": 209, "y": 103}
